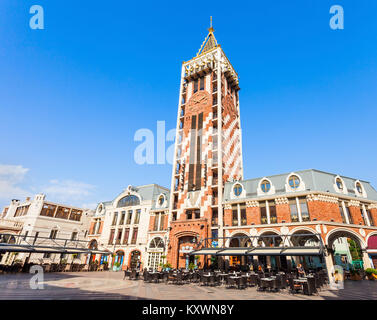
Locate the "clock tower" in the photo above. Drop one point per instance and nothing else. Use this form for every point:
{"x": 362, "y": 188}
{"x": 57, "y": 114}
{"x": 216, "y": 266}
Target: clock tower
{"x": 208, "y": 150}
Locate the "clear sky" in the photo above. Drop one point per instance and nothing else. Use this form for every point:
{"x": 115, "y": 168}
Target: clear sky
{"x": 73, "y": 95}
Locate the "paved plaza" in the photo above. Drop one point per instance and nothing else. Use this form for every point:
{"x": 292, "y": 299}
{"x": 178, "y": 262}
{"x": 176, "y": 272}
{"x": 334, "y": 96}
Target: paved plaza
{"x": 110, "y": 285}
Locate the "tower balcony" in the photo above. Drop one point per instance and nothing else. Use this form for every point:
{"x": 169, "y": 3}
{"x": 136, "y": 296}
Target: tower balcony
{"x": 11, "y": 225}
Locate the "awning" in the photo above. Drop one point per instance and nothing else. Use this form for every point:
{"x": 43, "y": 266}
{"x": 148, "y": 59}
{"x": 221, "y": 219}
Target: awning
{"x": 233, "y": 252}
{"x": 301, "y": 251}
{"x": 16, "y": 248}
{"x": 265, "y": 251}
{"x": 42, "y": 249}
{"x": 205, "y": 251}
{"x": 372, "y": 251}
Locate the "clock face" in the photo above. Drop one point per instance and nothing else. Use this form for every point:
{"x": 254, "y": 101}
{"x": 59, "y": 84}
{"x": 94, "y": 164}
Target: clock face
{"x": 197, "y": 102}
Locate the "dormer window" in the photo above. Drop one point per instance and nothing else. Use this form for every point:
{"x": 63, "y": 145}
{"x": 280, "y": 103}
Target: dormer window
{"x": 237, "y": 190}
{"x": 161, "y": 200}
{"x": 294, "y": 182}
{"x": 339, "y": 184}
{"x": 265, "y": 186}
{"x": 359, "y": 188}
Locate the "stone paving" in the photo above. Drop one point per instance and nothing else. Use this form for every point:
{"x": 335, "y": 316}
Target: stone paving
{"x": 110, "y": 285}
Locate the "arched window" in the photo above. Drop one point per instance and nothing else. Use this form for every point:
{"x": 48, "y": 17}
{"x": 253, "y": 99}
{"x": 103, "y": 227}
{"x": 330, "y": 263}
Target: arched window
{"x": 156, "y": 243}
{"x": 359, "y": 188}
{"x": 265, "y": 186}
{"x": 237, "y": 190}
{"x": 128, "y": 201}
{"x": 294, "y": 182}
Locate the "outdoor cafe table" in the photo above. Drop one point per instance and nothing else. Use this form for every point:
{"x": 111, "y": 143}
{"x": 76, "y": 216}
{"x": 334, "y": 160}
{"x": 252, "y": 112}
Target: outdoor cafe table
{"x": 222, "y": 276}
{"x": 237, "y": 279}
{"x": 300, "y": 280}
{"x": 268, "y": 280}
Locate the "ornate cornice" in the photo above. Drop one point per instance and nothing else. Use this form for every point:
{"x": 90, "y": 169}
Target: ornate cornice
{"x": 228, "y": 207}
{"x": 354, "y": 203}
{"x": 252, "y": 204}
{"x": 282, "y": 200}
{"x": 321, "y": 197}
{"x": 372, "y": 206}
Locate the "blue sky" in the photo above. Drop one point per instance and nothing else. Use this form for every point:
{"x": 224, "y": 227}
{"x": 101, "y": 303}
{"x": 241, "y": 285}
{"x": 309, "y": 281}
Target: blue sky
{"x": 73, "y": 95}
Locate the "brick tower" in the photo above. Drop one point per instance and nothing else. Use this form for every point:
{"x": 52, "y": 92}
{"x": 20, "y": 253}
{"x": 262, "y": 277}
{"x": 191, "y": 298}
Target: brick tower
{"x": 208, "y": 149}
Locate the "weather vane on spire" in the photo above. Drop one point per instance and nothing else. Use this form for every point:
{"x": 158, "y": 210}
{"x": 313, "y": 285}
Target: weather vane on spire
{"x": 211, "y": 28}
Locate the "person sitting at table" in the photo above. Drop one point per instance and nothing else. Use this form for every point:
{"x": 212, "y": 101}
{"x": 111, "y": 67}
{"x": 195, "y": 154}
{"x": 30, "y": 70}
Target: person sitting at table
{"x": 300, "y": 270}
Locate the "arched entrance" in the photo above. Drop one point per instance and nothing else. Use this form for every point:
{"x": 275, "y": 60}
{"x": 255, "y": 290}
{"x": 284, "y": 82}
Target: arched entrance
{"x": 186, "y": 244}
{"x": 118, "y": 260}
{"x": 239, "y": 240}
{"x": 135, "y": 256}
{"x": 93, "y": 245}
{"x": 346, "y": 249}
{"x": 306, "y": 238}
{"x": 155, "y": 253}
{"x": 271, "y": 239}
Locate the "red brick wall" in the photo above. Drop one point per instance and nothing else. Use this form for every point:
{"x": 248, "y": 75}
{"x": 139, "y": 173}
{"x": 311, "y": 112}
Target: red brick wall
{"x": 91, "y": 229}
{"x": 100, "y": 227}
{"x": 283, "y": 212}
{"x": 356, "y": 215}
{"x": 151, "y": 222}
{"x": 324, "y": 211}
{"x": 252, "y": 215}
{"x": 228, "y": 217}
{"x": 373, "y": 213}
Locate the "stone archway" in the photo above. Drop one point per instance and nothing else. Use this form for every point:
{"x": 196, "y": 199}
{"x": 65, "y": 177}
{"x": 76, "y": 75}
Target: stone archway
{"x": 306, "y": 238}
{"x": 134, "y": 258}
{"x": 118, "y": 260}
{"x": 239, "y": 240}
{"x": 186, "y": 244}
{"x": 270, "y": 238}
{"x": 347, "y": 249}
{"x": 93, "y": 245}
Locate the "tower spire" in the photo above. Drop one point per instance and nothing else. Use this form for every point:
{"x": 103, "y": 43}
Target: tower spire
{"x": 209, "y": 42}
{"x": 211, "y": 28}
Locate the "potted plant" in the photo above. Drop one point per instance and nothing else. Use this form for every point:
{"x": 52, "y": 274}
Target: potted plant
{"x": 166, "y": 266}
{"x": 355, "y": 274}
{"x": 191, "y": 266}
{"x": 371, "y": 273}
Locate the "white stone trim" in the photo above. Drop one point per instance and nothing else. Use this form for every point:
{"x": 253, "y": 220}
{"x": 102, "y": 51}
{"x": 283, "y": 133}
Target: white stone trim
{"x": 260, "y": 192}
{"x": 281, "y": 200}
{"x": 301, "y": 187}
{"x": 363, "y": 194}
{"x": 345, "y": 190}
{"x": 358, "y": 236}
{"x": 164, "y": 203}
{"x": 353, "y": 203}
{"x": 321, "y": 197}
{"x": 252, "y": 204}
{"x": 243, "y": 193}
